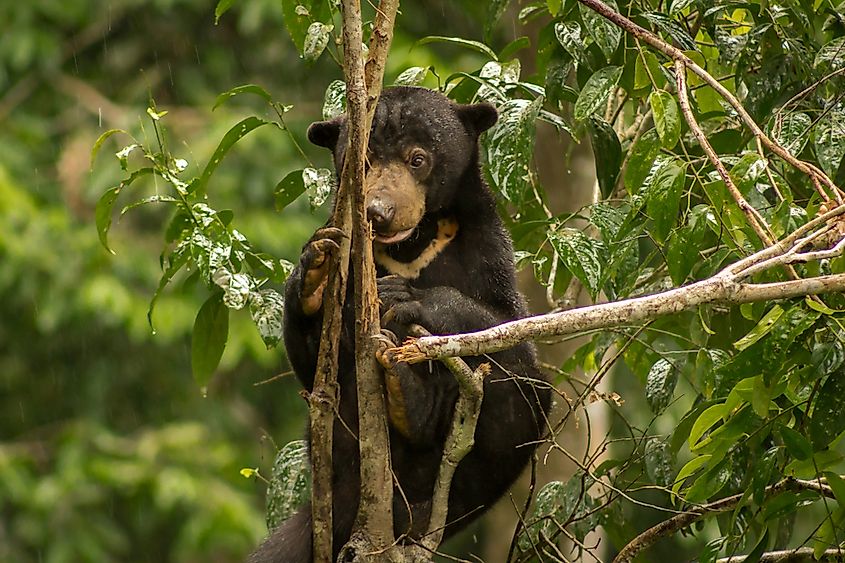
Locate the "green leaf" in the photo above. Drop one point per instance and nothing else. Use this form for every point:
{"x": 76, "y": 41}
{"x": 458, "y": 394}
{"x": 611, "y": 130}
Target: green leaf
{"x": 300, "y": 14}
{"x": 796, "y": 444}
{"x": 608, "y": 154}
{"x": 334, "y": 102}
{"x": 231, "y": 137}
{"x": 643, "y": 154}
{"x": 709, "y": 484}
{"x": 495, "y": 9}
{"x": 827, "y": 421}
{"x": 658, "y": 462}
{"x": 672, "y": 29}
{"x": 178, "y": 258}
{"x": 832, "y": 54}
{"x": 605, "y": 33}
{"x": 560, "y": 502}
{"x": 103, "y": 210}
{"x": 583, "y": 256}
{"x": 664, "y": 197}
{"x": 102, "y": 215}
{"x": 660, "y": 385}
{"x": 211, "y": 330}
{"x": 761, "y": 329}
{"x": 473, "y": 45}
{"x": 595, "y": 92}
{"x": 316, "y": 40}
{"x": 705, "y": 421}
{"x": 99, "y": 143}
{"x": 829, "y": 141}
{"x": 791, "y": 130}
{"x": 267, "y": 309}
{"x": 150, "y": 199}
{"x": 221, "y": 8}
{"x": 689, "y": 469}
{"x": 837, "y": 484}
{"x": 318, "y": 183}
{"x": 291, "y": 187}
{"x": 290, "y": 483}
{"x": 412, "y": 76}
{"x": 667, "y": 118}
{"x": 510, "y": 147}
{"x": 243, "y": 89}
{"x": 568, "y": 34}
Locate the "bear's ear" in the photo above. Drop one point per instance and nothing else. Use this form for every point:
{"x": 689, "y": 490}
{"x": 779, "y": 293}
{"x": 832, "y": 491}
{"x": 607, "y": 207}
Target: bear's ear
{"x": 325, "y": 133}
{"x": 478, "y": 118}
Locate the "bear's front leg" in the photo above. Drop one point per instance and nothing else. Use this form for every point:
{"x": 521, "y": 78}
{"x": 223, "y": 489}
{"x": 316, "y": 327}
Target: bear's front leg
{"x": 420, "y": 398}
{"x": 440, "y": 310}
{"x": 304, "y": 299}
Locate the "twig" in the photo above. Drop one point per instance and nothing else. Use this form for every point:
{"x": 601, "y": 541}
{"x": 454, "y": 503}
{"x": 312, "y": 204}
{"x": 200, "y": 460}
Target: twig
{"x": 676, "y": 523}
{"x": 798, "y": 555}
{"x": 754, "y": 218}
{"x": 817, "y": 176}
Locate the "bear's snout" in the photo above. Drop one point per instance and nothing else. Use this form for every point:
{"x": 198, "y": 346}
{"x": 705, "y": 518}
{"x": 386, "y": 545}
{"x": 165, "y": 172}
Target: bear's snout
{"x": 380, "y": 212}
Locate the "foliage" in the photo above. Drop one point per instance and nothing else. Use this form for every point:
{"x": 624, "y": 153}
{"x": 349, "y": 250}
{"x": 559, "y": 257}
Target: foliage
{"x": 723, "y": 383}
{"x": 719, "y": 401}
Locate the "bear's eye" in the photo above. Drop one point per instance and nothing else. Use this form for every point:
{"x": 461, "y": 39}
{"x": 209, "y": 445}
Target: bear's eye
{"x": 417, "y": 160}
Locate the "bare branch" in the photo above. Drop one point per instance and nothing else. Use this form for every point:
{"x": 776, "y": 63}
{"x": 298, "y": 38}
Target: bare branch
{"x": 799, "y": 555}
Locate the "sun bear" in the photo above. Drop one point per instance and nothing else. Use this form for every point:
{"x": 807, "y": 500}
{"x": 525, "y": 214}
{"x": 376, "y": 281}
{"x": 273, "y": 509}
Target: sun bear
{"x": 445, "y": 262}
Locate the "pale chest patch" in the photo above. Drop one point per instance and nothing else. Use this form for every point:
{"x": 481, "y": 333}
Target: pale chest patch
{"x": 447, "y": 228}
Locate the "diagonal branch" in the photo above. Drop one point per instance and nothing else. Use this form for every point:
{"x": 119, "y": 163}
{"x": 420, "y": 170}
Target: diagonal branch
{"x": 816, "y": 176}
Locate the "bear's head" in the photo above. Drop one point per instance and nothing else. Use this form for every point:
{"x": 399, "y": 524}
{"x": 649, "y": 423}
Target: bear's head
{"x": 421, "y": 146}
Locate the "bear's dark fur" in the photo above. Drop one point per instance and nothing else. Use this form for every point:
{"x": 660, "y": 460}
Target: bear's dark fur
{"x": 446, "y": 263}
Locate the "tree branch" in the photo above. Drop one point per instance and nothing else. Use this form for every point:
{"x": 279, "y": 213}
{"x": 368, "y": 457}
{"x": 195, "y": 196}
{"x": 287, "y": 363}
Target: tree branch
{"x": 817, "y": 176}
{"x": 723, "y": 288}
{"x": 680, "y": 521}
{"x": 373, "y": 531}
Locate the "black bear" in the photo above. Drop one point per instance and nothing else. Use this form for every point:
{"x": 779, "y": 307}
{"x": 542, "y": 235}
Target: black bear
{"x": 445, "y": 262}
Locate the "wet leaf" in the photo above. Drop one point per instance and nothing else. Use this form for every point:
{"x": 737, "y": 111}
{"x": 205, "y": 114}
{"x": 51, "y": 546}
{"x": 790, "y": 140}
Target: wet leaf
{"x": 103, "y": 210}
{"x": 829, "y": 140}
{"x": 412, "y": 76}
{"x": 705, "y": 421}
{"x": 667, "y": 118}
{"x": 221, "y": 8}
{"x": 658, "y": 462}
{"x": 557, "y": 504}
{"x": 583, "y": 256}
{"x": 831, "y": 55}
{"x": 231, "y": 137}
{"x": 300, "y": 14}
{"x": 643, "y": 154}
{"x": 318, "y": 183}
{"x": 761, "y": 329}
{"x": 826, "y": 421}
{"x": 495, "y": 9}
{"x": 211, "y": 330}
{"x": 605, "y": 33}
{"x": 673, "y": 29}
{"x": 334, "y": 102}
{"x": 99, "y": 143}
{"x": 664, "y": 197}
{"x": 174, "y": 262}
{"x": 510, "y": 148}
{"x": 267, "y": 310}
{"x": 244, "y": 89}
{"x": 473, "y": 45}
{"x": 568, "y": 35}
{"x": 290, "y": 483}
{"x": 316, "y": 39}
{"x": 797, "y": 445}
{"x": 150, "y": 199}
{"x": 608, "y": 154}
{"x": 792, "y": 131}
{"x": 596, "y": 91}
{"x": 710, "y": 483}
{"x": 660, "y": 385}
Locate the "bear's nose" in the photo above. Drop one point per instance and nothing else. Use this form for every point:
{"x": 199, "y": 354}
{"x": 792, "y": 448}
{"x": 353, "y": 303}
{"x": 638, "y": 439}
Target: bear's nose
{"x": 380, "y": 213}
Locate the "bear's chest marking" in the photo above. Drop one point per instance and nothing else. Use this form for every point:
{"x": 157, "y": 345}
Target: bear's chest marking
{"x": 447, "y": 228}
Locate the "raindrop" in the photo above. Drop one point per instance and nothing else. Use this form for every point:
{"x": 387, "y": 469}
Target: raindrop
{"x": 204, "y": 391}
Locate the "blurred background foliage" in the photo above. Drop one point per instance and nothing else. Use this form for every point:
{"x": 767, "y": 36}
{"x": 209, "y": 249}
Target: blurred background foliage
{"x": 108, "y": 451}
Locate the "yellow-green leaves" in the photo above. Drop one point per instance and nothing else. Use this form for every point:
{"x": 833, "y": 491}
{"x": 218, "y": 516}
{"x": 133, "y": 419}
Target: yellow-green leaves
{"x": 667, "y": 119}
